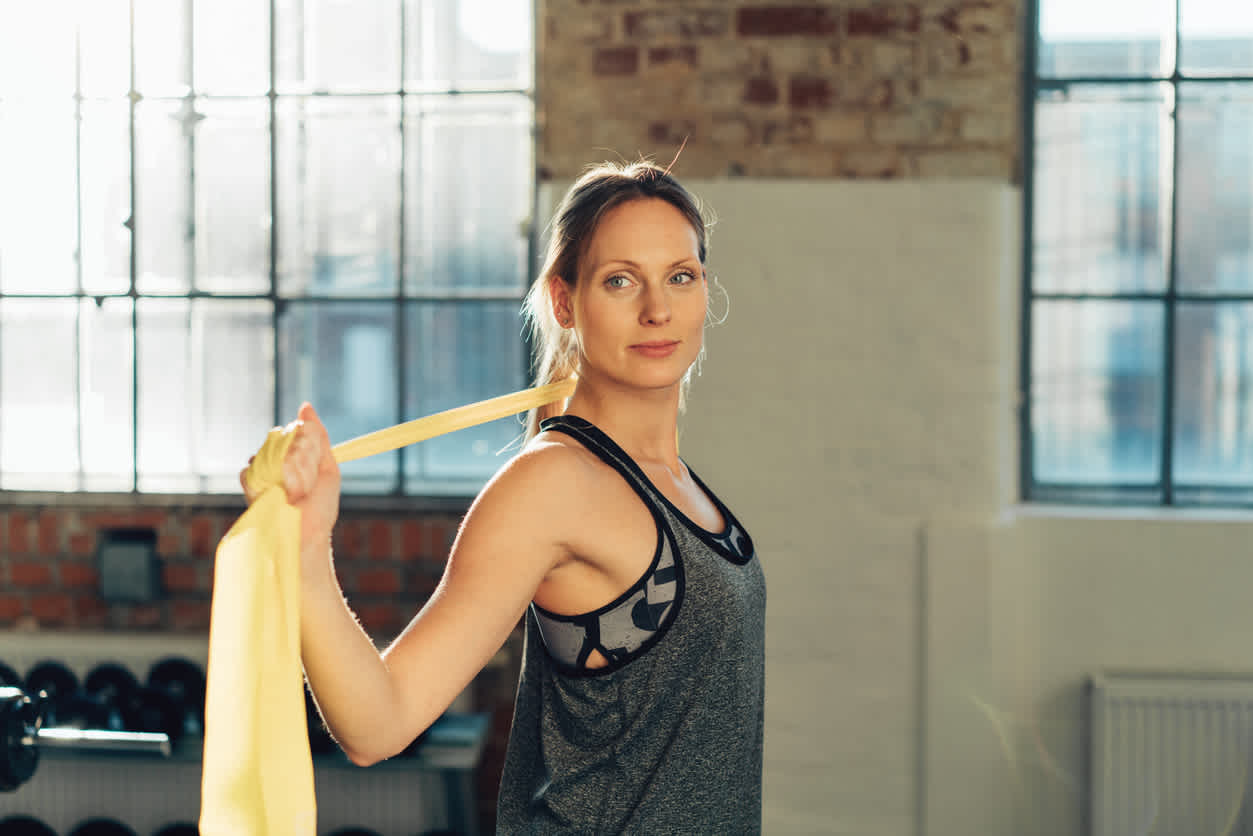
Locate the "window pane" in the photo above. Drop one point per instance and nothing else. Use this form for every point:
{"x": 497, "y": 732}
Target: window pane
{"x": 1096, "y": 391}
{"x": 338, "y": 45}
{"x": 1216, "y": 188}
{"x": 459, "y": 353}
{"x": 37, "y": 54}
{"x": 162, "y": 199}
{"x": 339, "y": 196}
{"x": 104, "y": 183}
{"x": 341, "y": 357}
{"x": 162, "y": 47}
{"x": 1216, "y": 36}
{"x": 232, "y": 46}
{"x": 460, "y": 43}
{"x": 105, "y": 355}
{"x": 38, "y": 214}
{"x": 1080, "y": 38}
{"x": 1214, "y": 399}
{"x": 105, "y": 48}
{"x": 38, "y": 379}
{"x": 468, "y": 188}
{"x": 206, "y": 378}
{"x": 1102, "y": 202}
{"x": 233, "y": 197}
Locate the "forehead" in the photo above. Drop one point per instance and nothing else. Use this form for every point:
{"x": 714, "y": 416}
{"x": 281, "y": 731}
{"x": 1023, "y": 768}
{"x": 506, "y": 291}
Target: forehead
{"x": 643, "y": 230}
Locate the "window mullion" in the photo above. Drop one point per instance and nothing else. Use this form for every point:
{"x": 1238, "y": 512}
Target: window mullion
{"x": 1172, "y": 283}
{"x": 133, "y": 99}
{"x": 1031, "y": 34}
{"x": 402, "y": 321}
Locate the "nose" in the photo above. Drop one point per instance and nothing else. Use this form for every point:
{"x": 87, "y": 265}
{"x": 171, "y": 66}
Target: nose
{"x": 656, "y": 306}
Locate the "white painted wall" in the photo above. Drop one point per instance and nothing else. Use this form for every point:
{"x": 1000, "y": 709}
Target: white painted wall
{"x": 857, "y": 410}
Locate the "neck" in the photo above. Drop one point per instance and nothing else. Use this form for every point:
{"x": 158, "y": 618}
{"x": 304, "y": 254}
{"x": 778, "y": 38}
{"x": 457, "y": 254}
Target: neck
{"x": 643, "y": 422}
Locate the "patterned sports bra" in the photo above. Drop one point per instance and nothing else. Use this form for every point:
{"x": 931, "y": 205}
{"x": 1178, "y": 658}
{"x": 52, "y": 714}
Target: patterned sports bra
{"x": 628, "y": 626}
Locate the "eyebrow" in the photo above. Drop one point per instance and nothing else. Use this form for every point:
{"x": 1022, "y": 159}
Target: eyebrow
{"x": 691, "y": 259}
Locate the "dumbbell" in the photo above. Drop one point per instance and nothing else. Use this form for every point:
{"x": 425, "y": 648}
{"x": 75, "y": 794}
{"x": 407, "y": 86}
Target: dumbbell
{"x": 22, "y": 735}
{"x": 101, "y": 827}
{"x": 24, "y": 826}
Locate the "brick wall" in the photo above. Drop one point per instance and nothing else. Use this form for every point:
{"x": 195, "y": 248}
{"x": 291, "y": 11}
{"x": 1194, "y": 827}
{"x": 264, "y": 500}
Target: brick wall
{"x": 859, "y": 88}
{"x": 388, "y": 566}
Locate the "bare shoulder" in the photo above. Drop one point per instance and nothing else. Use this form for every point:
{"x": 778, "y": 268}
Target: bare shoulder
{"x": 551, "y": 470}
{"x": 533, "y": 498}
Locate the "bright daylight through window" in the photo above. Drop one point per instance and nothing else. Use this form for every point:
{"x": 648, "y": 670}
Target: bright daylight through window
{"x": 1139, "y": 349}
{"x": 211, "y": 211}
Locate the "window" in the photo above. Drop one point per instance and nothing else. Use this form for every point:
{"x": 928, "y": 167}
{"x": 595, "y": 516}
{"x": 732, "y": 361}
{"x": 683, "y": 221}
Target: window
{"x": 211, "y": 210}
{"x": 1138, "y": 327}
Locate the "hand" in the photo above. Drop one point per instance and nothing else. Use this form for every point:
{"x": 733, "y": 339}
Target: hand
{"x": 310, "y": 477}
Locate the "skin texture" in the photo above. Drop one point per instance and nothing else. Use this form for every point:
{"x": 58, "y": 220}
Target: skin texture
{"x": 555, "y": 524}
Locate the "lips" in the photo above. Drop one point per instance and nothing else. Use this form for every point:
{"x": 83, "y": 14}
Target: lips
{"x": 656, "y": 348}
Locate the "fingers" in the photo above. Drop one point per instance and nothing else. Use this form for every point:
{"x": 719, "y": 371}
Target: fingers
{"x": 300, "y": 466}
{"x": 309, "y": 416}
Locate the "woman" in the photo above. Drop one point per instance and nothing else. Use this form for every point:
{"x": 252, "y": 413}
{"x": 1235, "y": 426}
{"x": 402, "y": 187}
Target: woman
{"x": 639, "y": 707}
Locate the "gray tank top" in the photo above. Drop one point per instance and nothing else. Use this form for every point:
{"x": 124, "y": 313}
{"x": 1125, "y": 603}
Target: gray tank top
{"x": 668, "y": 737}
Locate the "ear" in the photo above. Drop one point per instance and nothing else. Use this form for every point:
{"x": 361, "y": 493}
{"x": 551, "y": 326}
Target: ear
{"x": 563, "y": 305}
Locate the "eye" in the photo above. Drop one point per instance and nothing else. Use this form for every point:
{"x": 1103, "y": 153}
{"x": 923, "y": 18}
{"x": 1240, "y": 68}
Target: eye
{"x": 618, "y": 281}
{"x": 683, "y": 277}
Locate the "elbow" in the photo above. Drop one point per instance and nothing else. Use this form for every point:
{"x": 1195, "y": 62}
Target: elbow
{"x": 364, "y": 758}
{"x": 372, "y": 754}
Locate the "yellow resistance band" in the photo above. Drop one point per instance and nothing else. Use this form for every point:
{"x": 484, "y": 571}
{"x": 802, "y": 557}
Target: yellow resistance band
{"x": 257, "y": 777}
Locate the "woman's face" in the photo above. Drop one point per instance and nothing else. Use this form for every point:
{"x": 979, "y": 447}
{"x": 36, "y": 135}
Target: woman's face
{"x": 639, "y": 305}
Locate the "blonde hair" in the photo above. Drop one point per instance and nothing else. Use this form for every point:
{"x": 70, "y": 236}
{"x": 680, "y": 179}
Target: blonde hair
{"x": 601, "y": 188}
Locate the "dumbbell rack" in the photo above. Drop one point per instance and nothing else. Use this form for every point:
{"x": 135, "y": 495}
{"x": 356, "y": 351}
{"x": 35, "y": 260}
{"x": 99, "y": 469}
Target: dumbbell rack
{"x": 402, "y": 796}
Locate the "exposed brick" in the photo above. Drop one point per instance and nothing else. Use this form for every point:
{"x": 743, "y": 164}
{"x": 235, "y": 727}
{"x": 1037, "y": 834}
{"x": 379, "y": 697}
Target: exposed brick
{"x": 962, "y": 163}
{"x": 90, "y": 611}
{"x": 413, "y": 539}
{"x": 52, "y": 609}
{"x": 919, "y": 125}
{"x": 19, "y": 532}
{"x": 78, "y": 575}
{"x": 976, "y": 16}
{"x": 381, "y": 619}
{"x": 993, "y": 126}
{"x": 189, "y": 615}
{"x": 672, "y": 132}
{"x": 82, "y": 543}
{"x": 840, "y": 128}
{"x": 880, "y": 21}
{"x": 377, "y": 581}
{"x": 675, "y": 23}
{"x": 141, "y": 518}
{"x": 30, "y": 574}
{"x": 731, "y": 129}
{"x": 685, "y": 54}
{"x": 868, "y": 163}
{"x": 796, "y": 130}
{"x": 380, "y": 534}
{"x": 349, "y": 539}
{"x": 181, "y": 577}
{"x": 580, "y": 27}
{"x": 50, "y": 528}
{"x": 775, "y": 21}
{"x": 202, "y": 535}
{"x": 144, "y": 615}
{"x": 11, "y": 608}
{"x": 170, "y": 545}
{"x": 809, "y": 92}
{"x": 618, "y": 60}
{"x": 761, "y": 91}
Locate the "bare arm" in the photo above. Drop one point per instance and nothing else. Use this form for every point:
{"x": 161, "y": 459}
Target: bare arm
{"x": 375, "y": 704}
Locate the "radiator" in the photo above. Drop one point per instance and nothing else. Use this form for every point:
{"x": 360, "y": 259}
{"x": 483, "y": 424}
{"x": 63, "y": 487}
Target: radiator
{"x": 145, "y": 792}
{"x": 1171, "y": 755}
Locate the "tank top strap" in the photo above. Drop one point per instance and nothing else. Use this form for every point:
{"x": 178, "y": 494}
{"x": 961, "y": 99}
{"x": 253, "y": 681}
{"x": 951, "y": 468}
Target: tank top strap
{"x": 594, "y": 439}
